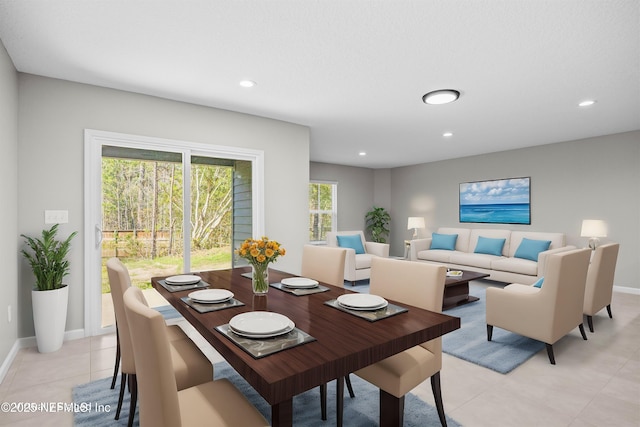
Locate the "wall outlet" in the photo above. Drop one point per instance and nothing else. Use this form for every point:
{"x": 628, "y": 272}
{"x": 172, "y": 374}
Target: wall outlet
{"x": 56, "y": 217}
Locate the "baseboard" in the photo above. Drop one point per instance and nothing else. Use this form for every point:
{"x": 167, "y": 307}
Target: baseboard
{"x": 627, "y": 290}
{"x": 31, "y": 342}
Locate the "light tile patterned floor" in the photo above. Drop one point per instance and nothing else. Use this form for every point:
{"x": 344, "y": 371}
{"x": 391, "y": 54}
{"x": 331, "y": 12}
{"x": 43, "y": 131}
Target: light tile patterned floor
{"x": 595, "y": 383}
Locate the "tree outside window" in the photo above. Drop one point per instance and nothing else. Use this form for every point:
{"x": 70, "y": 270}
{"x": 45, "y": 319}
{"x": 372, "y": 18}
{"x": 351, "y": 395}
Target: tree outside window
{"x": 323, "y": 210}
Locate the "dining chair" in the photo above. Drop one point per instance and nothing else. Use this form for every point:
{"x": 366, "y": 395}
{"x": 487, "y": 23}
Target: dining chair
{"x": 190, "y": 365}
{"x": 546, "y": 313}
{"x": 420, "y": 285}
{"x": 162, "y": 404}
{"x": 599, "y": 287}
{"x": 325, "y": 264}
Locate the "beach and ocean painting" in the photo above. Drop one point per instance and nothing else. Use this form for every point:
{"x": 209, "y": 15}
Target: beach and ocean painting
{"x": 501, "y": 201}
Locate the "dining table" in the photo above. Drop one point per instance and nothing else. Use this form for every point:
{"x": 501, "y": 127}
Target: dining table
{"x": 333, "y": 342}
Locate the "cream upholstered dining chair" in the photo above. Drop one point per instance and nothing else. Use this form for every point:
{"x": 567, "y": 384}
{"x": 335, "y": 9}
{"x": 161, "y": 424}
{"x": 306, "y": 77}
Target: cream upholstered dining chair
{"x": 325, "y": 264}
{"x": 547, "y": 313}
{"x": 190, "y": 366}
{"x": 420, "y": 285}
{"x": 213, "y": 403}
{"x": 597, "y": 294}
{"x": 359, "y": 253}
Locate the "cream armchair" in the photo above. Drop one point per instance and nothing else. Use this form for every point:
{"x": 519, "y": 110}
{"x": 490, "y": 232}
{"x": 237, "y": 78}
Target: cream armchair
{"x": 599, "y": 287}
{"x": 357, "y": 266}
{"x": 548, "y": 313}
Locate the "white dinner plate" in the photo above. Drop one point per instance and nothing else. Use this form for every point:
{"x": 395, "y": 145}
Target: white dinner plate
{"x": 299, "y": 282}
{"x": 260, "y": 323}
{"x": 456, "y": 273}
{"x": 211, "y": 296}
{"x": 184, "y": 279}
{"x": 362, "y": 301}
{"x": 269, "y": 335}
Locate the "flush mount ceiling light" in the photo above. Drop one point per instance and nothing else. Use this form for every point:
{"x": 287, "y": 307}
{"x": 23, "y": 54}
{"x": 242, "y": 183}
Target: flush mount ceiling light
{"x": 362, "y": 153}
{"x": 442, "y": 96}
{"x": 587, "y": 103}
{"x": 447, "y": 134}
{"x": 247, "y": 83}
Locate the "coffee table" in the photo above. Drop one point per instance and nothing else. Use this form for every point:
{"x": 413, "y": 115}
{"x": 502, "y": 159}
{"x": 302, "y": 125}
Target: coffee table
{"x": 456, "y": 289}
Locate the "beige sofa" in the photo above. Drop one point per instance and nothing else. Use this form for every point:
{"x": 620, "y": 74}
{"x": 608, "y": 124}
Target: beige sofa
{"x": 505, "y": 267}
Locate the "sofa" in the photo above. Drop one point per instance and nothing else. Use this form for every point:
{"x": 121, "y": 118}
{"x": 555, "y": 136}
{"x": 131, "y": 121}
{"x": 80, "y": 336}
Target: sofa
{"x": 357, "y": 265}
{"x": 505, "y": 255}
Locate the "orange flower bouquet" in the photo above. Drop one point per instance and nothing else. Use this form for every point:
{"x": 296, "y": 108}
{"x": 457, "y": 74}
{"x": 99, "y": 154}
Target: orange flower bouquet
{"x": 260, "y": 253}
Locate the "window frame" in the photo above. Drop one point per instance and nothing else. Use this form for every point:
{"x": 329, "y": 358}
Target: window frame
{"x": 334, "y": 207}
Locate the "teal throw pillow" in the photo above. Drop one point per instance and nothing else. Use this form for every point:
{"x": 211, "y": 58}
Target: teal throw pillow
{"x": 489, "y": 246}
{"x": 353, "y": 242}
{"x": 538, "y": 283}
{"x": 444, "y": 241}
{"x": 529, "y": 249}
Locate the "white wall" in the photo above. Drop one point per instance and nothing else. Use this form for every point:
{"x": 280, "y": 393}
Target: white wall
{"x": 595, "y": 178}
{"x": 9, "y": 197}
{"x": 52, "y": 117}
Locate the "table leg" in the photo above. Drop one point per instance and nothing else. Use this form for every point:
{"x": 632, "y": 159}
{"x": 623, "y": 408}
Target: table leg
{"x": 282, "y": 414}
{"x": 391, "y": 410}
{"x": 339, "y": 400}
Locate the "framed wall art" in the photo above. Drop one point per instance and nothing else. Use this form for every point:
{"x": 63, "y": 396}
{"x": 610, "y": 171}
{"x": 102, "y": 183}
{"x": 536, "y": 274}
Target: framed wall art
{"x": 498, "y": 201}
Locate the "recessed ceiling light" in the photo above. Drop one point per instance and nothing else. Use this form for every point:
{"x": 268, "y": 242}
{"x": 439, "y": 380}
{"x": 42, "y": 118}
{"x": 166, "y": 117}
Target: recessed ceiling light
{"x": 362, "y": 153}
{"x": 247, "y": 83}
{"x": 447, "y": 134}
{"x": 587, "y": 103}
{"x": 442, "y": 96}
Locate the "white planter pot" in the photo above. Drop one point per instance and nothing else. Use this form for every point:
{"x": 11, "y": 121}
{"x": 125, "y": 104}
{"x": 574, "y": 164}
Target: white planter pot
{"x": 50, "y": 317}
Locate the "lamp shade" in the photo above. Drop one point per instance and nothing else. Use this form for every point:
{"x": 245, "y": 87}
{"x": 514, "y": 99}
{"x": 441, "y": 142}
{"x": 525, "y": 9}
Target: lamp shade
{"x": 593, "y": 228}
{"x": 415, "y": 222}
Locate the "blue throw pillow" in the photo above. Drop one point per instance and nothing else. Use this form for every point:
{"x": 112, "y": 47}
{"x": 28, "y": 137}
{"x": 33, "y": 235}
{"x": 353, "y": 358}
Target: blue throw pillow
{"x": 489, "y": 246}
{"x": 444, "y": 241}
{"x": 538, "y": 283}
{"x": 529, "y": 249}
{"x": 353, "y": 242}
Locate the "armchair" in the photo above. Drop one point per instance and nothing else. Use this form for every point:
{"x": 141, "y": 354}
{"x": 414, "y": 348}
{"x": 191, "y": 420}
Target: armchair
{"x": 357, "y": 264}
{"x": 548, "y": 313}
{"x": 599, "y": 286}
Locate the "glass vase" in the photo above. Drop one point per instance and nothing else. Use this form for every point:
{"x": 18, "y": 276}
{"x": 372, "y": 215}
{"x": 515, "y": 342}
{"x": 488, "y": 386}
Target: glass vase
{"x": 260, "y": 279}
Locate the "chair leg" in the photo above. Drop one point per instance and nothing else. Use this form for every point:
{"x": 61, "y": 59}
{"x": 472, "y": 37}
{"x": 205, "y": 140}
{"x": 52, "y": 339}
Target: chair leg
{"x": 550, "y": 354}
{"x": 339, "y": 400}
{"x": 489, "y": 332}
{"x": 584, "y": 335}
{"x": 347, "y": 380}
{"x": 323, "y": 401}
{"x": 609, "y": 311}
{"x": 117, "y": 365}
{"x": 123, "y": 382}
{"x": 133, "y": 383}
{"x": 590, "y": 322}
{"x": 437, "y": 396}
{"x": 391, "y": 409}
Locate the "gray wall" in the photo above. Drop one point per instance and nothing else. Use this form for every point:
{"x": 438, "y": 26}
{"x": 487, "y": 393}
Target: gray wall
{"x": 52, "y": 117}
{"x": 9, "y": 197}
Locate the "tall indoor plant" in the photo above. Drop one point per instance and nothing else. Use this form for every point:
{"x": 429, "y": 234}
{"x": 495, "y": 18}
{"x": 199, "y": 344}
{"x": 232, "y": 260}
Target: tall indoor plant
{"x": 50, "y": 296}
{"x": 377, "y": 220}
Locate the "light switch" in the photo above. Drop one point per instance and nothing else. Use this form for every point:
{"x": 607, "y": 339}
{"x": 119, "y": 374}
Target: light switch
{"x": 56, "y": 217}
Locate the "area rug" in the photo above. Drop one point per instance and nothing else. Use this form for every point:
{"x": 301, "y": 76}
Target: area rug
{"x": 506, "y": 350}
{"x": 100, "y": 403}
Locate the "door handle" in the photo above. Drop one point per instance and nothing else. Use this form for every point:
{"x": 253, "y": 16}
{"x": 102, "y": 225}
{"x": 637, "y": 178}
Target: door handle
{"x": 99, "y": 235}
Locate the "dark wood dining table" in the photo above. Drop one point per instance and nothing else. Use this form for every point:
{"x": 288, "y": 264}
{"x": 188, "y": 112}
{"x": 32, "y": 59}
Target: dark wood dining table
{"x": 343, "y": 342}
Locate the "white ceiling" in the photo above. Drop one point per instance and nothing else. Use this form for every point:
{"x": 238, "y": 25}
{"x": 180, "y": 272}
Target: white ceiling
{"x": 355, "y": 71}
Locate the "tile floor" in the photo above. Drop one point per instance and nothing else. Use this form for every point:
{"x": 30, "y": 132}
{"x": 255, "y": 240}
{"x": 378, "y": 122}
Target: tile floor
{"x": 594, "y": 384}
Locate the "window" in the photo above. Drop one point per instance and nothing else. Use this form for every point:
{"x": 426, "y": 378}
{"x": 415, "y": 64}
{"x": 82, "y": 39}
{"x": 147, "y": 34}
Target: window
{"x": 323, "y": 210}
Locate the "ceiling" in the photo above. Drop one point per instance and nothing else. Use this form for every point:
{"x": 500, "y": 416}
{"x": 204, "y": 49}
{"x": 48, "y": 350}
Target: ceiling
{"x": 355, "y": 72}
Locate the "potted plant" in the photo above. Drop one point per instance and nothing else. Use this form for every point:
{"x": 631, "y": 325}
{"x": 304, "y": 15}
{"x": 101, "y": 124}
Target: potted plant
{"x": 377, "y": 220}
{"x": 48, "y": 260}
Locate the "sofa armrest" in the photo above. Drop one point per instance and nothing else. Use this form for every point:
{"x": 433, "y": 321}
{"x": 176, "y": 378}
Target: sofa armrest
{"x": 544, "y": 256}
{"x": 378, "y": 249}
{"x": 418, "y": 245}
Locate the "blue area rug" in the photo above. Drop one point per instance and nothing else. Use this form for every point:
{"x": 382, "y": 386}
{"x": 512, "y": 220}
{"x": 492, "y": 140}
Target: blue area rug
{"x": 361, "y": 411}
{"x": 506, "y": 350}
{"x": 168, "y": 312}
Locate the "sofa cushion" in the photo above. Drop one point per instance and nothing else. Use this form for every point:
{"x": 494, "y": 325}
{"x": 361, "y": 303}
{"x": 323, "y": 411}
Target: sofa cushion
{"x": 491, "y": 233}
{"x": 436, "y": 255}
{"x": 557, "y": 239}
{"x": 462, "y": 243}
{"x": 489, "y": 246}
{"x": 363, "y": 261}
{"x": 351, "y": 241}
{"x": 538, "y": 283}
{"x": 444, "y": 241}
{"x": 472, "y": 260}
{"x": 529, "y": 249}
{"x": 515, "y": 265}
